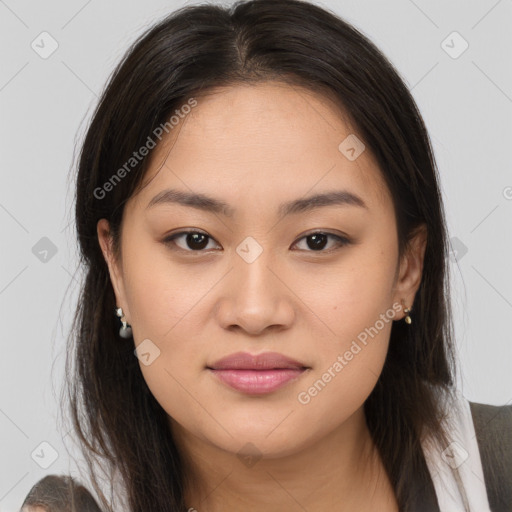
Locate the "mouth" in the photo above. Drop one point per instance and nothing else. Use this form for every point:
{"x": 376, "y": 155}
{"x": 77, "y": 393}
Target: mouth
{"x": 257, "y": 374}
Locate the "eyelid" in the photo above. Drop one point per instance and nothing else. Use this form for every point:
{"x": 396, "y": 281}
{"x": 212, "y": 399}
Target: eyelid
{"x": 169, "y": 240}
{"x": 342, "y": 240}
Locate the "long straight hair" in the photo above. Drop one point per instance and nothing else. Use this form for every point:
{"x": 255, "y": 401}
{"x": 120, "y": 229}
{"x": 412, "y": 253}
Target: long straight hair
{"x": 120, "y": 425}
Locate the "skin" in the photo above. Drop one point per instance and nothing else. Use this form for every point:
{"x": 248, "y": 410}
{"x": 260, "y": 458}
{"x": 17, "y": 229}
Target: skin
{"x": 256, "y": 146}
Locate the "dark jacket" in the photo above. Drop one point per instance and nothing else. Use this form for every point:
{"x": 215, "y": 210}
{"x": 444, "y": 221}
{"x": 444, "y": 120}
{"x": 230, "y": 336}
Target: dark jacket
{"x": 493, "y": 428}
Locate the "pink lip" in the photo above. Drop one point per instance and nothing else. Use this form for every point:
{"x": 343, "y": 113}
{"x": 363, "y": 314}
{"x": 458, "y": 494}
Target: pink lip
{"x": 257, "y": 374}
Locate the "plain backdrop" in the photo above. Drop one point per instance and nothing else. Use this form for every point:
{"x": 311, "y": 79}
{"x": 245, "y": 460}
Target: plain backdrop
{"x": 454, "y": 56}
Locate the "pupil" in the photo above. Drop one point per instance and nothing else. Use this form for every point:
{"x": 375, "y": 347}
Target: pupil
{"x": 192, "y": 238}
{"x": 318, "y": 241}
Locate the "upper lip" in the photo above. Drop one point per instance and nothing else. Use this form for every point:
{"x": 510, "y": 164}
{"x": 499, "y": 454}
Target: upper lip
{"x": 265, "y": 361}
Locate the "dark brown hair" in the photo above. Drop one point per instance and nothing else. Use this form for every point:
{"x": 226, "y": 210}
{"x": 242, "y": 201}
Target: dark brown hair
{"x": 191, "y": 51}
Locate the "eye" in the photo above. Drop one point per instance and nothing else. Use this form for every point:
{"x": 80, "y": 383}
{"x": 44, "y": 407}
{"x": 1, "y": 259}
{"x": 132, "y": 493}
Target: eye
{"x": 195, "y": 241}
{"x": 319, "y": 239}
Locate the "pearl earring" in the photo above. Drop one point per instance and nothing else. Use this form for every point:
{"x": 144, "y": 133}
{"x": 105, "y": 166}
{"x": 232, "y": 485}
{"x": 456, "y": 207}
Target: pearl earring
{"x": 125, "y": 331}
{"x": 408, "y": 319}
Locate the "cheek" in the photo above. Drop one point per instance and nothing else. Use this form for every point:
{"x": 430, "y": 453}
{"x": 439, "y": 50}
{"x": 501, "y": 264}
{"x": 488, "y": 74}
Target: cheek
{"x": 161, "y": 294}
{"x": 353, "y": 304}
{"x": 339, "y": 389}
{"x": 166, "y": 304}
{"x": 347, "y": 368}
{"x": 351, "y": 295}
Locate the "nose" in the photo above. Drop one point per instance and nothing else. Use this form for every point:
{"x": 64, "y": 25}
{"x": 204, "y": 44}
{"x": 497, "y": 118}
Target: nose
{"x": 255, "y": 297}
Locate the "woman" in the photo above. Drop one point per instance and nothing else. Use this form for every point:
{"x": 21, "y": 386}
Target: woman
{"x": 260, "y": 221}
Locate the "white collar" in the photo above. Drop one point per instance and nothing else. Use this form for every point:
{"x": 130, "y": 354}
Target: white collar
{"x": 457, "y": 463}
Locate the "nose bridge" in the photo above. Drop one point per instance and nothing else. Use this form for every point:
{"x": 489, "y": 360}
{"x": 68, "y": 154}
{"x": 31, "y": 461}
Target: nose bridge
{"x": 254, "y": 297}
{"x": 251, "y": 270}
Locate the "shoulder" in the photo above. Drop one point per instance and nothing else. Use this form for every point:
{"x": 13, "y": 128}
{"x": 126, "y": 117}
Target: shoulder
{"x": 502, "y": 413}
{"x": 493, "y": 429}
{"x": 493, "y": 426}
{"x": 56, "y": 492}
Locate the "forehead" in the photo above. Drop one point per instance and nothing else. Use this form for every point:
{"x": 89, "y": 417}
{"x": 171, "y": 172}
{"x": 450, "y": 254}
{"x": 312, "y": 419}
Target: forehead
{"x": 267, "y": 138}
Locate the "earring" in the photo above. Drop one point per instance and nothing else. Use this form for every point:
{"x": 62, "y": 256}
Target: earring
{"x": 125, "y": 331}
{"x": 408, "y": 319}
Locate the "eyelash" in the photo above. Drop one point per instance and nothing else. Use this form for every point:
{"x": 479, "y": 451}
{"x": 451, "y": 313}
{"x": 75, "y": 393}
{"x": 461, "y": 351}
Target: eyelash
{"x": 169, "y": 241}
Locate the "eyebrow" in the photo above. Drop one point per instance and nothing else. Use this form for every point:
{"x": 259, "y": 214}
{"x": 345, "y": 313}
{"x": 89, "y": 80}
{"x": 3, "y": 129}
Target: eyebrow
{"x": 210, "y": 204}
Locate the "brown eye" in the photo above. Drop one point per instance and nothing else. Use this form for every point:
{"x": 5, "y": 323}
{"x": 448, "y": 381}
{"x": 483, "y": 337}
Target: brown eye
{"x": 317, "y": 241}
{"x": 191, "y": 241}
{"x": 197, "y": 241}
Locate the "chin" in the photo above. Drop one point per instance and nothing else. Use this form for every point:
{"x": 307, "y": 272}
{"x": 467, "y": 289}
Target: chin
{"x": 259, "y": 444}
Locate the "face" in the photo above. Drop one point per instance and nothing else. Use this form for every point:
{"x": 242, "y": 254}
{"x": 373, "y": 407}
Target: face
{"x": 319, "y": 283}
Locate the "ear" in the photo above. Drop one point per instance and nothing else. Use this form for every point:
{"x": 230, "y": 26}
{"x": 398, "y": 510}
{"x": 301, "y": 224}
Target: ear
{"x": 411, "y": 268}
{"x": 114, "y": 266}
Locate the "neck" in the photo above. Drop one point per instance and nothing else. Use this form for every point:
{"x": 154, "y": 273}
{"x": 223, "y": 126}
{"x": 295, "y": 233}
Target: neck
{"x": 342, "y": 470}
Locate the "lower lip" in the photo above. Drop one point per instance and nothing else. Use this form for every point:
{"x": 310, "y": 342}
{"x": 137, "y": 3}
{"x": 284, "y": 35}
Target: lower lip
{"x": 257, "y": 382}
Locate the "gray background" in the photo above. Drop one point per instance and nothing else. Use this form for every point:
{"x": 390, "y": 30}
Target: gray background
{"x": 45, "y": 102}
